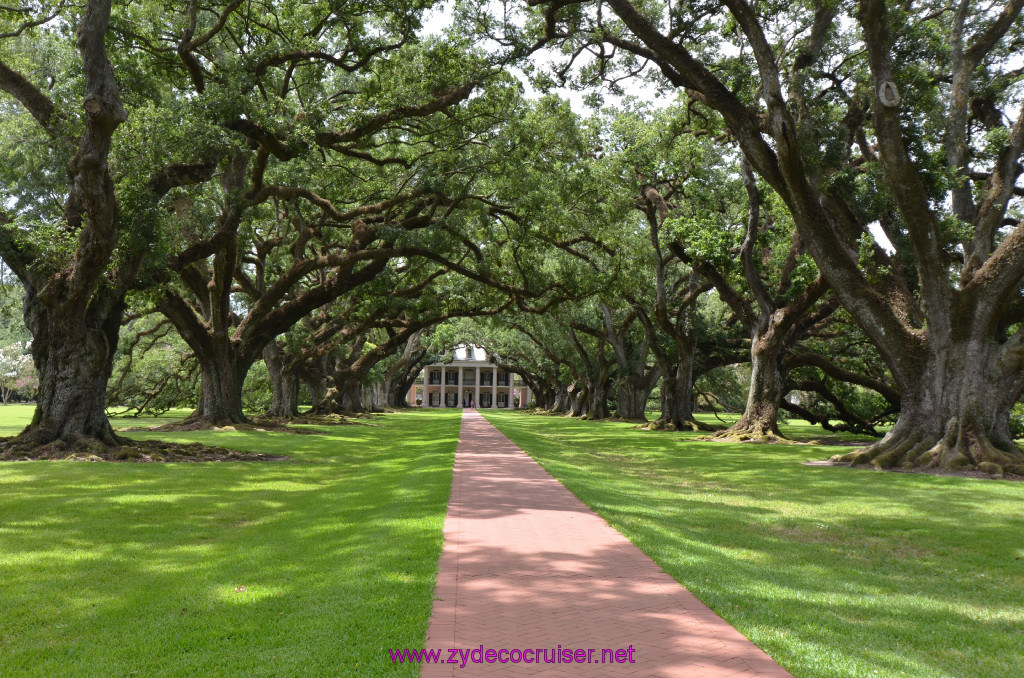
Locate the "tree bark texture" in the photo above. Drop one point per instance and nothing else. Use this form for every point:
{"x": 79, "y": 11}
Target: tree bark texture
{"x": 284, "y": 384}
{"x": 597, "y": 398}
{"x": 397, "y": 393}
{"x": 677, "y": 400}
{"x": 761, "y": 414}
{"x": 560, "y": 404}
{"x": 633, "y": 393}
{"x": 74, "y": 314}
{"x": 955, "y": 416}
{"x": 220, "y": 393}
{"x": 73, "y": 354}
{"x": 579, "y": 397}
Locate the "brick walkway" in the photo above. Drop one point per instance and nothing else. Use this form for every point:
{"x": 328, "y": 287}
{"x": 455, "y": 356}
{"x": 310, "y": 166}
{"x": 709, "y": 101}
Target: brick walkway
{"x": 527, "y": 565}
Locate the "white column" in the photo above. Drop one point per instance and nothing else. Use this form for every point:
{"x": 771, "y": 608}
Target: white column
{"x": 476, "y": 398}
{"x": 444, "y": 403}
{"x": 494, "y": 387}
{"x": 511, "y": 380}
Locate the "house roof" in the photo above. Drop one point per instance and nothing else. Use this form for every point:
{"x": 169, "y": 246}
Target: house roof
{"x": 470, "y": 353}
{"x": 467, "y": 354}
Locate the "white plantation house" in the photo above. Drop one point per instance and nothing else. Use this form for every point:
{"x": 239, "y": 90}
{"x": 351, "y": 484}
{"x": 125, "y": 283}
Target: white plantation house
{"x": 468, "y": 381}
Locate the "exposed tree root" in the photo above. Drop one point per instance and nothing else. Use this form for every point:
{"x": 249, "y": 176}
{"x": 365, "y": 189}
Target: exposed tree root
{"x": 757, "y": 432}
{"x": 745, "y": 437}
{"x": 961, "y": 448}
{"x": 333, "y": 419}
{"x": 277, "y": 424}
{"x": 200, "y": 422}
{"x": 338, "y": 415}
{"x": 92, "y": 449}
{"x": 688, "y": 425}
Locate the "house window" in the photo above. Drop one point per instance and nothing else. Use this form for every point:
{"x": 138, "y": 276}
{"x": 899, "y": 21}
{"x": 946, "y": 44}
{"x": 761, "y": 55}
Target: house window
{"x": 435, "y": 377}
{"x": 487, "y": 378}
{"x": 486, "y": 400}
{"x": 502, "y": 398}
{"x": 451, "y": 378}
{"x": 502, "y": 378}
{"x": 435, "y": 399}
{"x": 451, "y": 399}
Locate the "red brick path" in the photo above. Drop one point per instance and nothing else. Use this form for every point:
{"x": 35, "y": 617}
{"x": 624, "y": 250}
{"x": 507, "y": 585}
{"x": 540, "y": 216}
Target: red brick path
{"x": 528, "y": 565}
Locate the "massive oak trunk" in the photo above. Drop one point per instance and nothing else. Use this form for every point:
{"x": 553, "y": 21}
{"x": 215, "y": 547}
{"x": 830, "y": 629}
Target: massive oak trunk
{"x": 74, "y": 312}
{"x": 401, "y": 375}
{"x": 284, "y": 384}
{"x": 676, "y": 358}
{"x": 318, "y": 389}
{"x": 561, "y": 400}
{"x": 223, "y": 365}
{"x": 597, "y": 399}
{"x": 372, "y": 396}
{"x": 592, "y": 399}
{"x": 220, "y": 394}
{"x": 398, "y": 384}
{"x": 550, "y": 396}
{"x": 677, "y": 399}
{"x": 955, "y": 416}
{"x": 761, "y": 414}
{"x": 397, "y": 393}
{"x": 346, "y": 395}
{"x": 350, "y": 395}
{"x": 544, "y": 399}
{"x": 73, "y": 352}
{"x": 579, "y": 396}
{"x": 635, "y": 379}
{"x": 633, "y": 393}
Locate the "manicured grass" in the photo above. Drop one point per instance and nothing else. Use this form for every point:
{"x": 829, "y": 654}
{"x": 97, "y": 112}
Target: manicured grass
{"x": 834, "y": 572}
{"x": 123, "y": 569}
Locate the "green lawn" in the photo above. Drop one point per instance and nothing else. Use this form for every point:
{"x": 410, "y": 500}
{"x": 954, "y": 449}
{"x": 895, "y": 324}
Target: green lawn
{"x": 123, "y": 569}
{"x": 834, "y": 572}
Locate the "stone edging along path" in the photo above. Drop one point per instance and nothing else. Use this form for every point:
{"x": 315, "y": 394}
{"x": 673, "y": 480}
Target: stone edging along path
{"x": 529, "y": 569}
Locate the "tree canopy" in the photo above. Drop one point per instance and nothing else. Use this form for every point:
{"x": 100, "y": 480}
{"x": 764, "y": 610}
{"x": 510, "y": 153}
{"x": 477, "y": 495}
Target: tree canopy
{"x": 818, "y": 199}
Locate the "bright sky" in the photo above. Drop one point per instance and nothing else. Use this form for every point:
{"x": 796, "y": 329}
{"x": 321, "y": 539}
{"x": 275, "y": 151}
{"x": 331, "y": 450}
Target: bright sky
{"x": 880, "y": 237}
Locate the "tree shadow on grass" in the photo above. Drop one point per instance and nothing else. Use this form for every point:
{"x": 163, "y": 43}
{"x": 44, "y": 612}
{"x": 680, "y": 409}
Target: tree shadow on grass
{"x": 225, "y": 569}
{"x": 834, "y": 573}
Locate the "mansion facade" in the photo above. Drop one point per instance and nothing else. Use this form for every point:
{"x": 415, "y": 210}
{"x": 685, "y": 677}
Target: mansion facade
{"x": 468, "y": 381}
